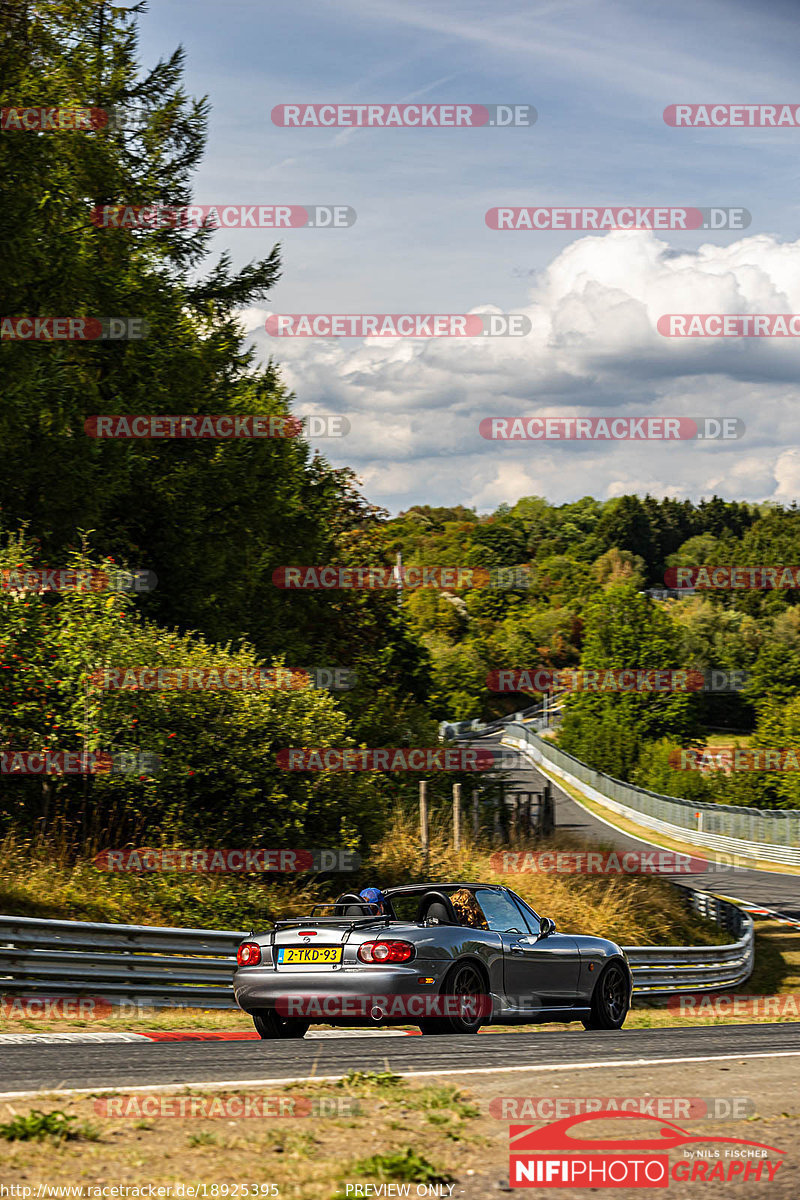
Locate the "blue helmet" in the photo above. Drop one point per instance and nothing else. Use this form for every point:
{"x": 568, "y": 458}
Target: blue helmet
{"x": 372, "y": 895}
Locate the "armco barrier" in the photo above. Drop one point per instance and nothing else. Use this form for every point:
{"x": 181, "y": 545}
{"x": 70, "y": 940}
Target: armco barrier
{"x": 192, "y": 968}
{"x": 665, "y": 970}
{"x": 771, "y": 834}
{"x": 146, "y": 964}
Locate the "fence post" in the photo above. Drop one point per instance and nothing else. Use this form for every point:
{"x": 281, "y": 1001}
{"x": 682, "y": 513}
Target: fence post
{"x": 423, "y": 818}
{"x": 456, "y": 816}
{"x": 476, "y": 815}
{"x": 547, "y": 819}
{"x": 504, "y": 814}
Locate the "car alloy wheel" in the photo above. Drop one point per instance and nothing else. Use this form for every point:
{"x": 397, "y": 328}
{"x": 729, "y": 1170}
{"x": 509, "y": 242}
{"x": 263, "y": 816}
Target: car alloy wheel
{"x": 610, "y": 999}
{"x": 466, "y": 982}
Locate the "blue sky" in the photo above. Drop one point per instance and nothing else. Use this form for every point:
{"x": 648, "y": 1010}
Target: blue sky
{"x": 599, "y": 75}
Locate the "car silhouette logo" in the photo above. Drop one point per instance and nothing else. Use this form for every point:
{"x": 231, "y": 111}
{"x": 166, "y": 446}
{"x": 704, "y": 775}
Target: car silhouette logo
{"x": 527, "y": 1138}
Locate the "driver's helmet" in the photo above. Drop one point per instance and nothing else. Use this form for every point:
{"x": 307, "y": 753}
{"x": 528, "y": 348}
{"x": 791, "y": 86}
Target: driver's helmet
{"x": 468, "y": 910}
{"x": 373, "y": 896}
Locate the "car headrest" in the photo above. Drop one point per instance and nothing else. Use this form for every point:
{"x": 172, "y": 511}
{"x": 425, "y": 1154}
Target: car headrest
{"x": 351, "y": 905}
{"x": 435, "y": 905}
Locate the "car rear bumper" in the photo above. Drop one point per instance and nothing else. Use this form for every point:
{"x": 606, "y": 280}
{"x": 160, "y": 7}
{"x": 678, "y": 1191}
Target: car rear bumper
{"x": 340, "y": 997}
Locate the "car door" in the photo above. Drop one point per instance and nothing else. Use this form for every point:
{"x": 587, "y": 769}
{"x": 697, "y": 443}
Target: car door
{"x": 538, "y": 971}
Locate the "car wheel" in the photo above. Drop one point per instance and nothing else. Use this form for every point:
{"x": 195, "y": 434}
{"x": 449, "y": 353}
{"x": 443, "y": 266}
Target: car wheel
{"x": 466, "y": 982}
{"x": 610, "y": 999}
{"x": 269, "y": 1025}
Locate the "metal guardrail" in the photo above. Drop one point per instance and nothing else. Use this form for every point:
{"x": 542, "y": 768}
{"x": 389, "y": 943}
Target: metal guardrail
{"x": 539, "y": 716}
{"x": 191, "y": 968}
{"x": 141, "y": 964}
{"x": 665, "y": 970}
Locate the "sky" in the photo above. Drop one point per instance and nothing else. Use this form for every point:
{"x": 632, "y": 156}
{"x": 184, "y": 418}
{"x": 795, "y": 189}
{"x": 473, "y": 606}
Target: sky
{"x": 600, "y": 75}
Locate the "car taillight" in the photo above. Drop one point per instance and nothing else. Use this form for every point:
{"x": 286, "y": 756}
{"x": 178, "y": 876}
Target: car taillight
{"x": 248, "y": 954}
{"x": 385, "y": 952}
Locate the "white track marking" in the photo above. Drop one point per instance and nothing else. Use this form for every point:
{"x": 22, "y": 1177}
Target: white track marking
{"x": 48, "y": 1039}
{"x": 244, "y": 1084}
{"x": 88, "y": 1037}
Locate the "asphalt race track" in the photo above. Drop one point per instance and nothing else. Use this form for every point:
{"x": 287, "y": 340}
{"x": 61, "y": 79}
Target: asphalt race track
{"x": 765, "y": 888}
{"x": 120, "y": 1066}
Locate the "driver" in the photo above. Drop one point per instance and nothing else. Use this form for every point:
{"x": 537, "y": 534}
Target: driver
{"x": 374, "y": 896}
{"x": 468, "y": 910}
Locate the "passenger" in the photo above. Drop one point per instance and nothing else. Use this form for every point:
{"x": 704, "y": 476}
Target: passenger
{"x": 468, "y": 910}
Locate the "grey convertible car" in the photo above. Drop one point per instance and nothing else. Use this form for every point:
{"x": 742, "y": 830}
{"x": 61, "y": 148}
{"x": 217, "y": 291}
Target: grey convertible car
{"x": 446, "y": 957}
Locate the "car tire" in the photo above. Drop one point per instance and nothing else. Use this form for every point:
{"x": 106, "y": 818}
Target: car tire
{"x": 433, "y": 1025}
{"x": 463, "y": 980}
{"x": 610, "y": 999}
{"x": 269, "y": 1025}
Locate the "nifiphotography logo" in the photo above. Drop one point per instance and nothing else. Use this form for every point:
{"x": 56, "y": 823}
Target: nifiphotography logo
{"x": 555, "y": 1156}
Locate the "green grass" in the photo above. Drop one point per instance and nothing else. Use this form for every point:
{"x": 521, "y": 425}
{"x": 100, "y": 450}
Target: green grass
{"x": 443, "y": 1097}
{"x": 367, "y": 1079}
{"x": 38, "y": 1125}
{"x": 406, "y": 1166}
{"x": 202, "y": 1139}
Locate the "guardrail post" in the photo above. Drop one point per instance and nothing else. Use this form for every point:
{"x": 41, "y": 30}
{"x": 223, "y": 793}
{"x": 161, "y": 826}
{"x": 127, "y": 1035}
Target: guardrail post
{"x": 476, "y": 815}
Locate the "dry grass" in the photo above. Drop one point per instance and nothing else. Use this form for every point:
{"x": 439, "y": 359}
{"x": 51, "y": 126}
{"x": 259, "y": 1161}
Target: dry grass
{"x": 634, "y": 910}
{"x": 33, "y": 883}
{"x": 630, "y": 909}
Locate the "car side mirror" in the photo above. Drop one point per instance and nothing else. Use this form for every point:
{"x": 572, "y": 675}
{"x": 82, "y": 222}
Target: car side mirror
{"x": 546, "y": 927}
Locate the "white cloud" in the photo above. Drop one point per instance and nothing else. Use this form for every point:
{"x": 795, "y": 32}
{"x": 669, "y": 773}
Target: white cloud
{"x": 415, "y": 406}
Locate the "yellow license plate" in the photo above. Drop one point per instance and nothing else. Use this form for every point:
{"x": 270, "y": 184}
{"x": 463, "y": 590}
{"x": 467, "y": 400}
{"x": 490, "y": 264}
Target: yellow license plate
{"x": 303, "y": 955}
